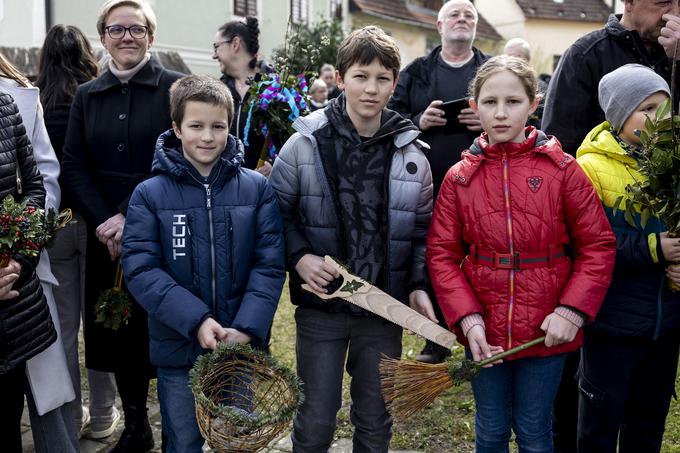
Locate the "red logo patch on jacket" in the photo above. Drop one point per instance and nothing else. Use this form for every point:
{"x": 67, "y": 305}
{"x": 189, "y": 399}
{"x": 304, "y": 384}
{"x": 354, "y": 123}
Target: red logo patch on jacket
{"x": 534, "y": 183}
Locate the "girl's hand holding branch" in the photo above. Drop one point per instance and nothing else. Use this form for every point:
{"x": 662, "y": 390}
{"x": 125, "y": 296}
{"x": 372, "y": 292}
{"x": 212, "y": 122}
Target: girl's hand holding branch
{"x": 558, "y": 329}
{"x": 480, "y": 349}
{"x": 316, "y": 272}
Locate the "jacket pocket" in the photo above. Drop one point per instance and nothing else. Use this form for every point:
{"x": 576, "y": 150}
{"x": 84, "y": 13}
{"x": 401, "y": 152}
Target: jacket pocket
{"x": 590, "y": 391}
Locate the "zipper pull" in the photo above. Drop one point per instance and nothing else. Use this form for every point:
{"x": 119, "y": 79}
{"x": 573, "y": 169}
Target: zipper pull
{"x": 207, "y": 194}
{"x": 20, "y": 187}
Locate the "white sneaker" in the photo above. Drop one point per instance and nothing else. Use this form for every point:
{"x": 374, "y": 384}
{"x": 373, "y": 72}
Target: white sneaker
{"x": 101, "y": 430}
{"x": 85, "y": 422}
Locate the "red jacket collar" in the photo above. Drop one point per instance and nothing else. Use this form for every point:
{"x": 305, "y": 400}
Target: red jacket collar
{"x": 481, "y": 150}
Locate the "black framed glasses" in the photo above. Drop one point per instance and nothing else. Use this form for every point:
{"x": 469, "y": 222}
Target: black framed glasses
{"x": 216, "y": 45}
{"x": 118, "y": 31}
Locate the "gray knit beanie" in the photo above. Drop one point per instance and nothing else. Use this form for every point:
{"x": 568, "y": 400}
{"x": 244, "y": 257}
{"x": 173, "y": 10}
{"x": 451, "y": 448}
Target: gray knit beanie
{"x": 623, "y": 90}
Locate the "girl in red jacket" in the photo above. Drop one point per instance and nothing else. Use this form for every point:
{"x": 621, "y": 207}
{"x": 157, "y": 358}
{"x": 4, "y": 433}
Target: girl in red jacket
{"x": 519, "y": 247}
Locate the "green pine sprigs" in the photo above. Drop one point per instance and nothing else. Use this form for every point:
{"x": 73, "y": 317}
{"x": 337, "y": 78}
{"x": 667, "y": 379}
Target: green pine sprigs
{"x": 113, "y": 308}
{"x": 244, "y": 420}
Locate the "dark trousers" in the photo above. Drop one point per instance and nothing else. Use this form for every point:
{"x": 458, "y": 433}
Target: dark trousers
{"x": 440, "y": 320}
{"x": 565, "y": 410}
{"x": 324, "y": 340}
{"x": 12, "y": 407}
{"x": 625, "y": 387}
{"x": 133, "y": 387}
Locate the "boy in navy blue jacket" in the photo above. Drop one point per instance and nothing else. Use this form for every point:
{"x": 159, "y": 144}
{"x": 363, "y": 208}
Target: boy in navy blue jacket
{"x": 202, "y": 249}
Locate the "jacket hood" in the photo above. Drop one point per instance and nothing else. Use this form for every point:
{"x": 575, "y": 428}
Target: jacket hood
{"x": 392, "y": 124}
{"x": 614, "y": 27}
{"x": 600, "y": 140}
{"x": 169, "y": 158}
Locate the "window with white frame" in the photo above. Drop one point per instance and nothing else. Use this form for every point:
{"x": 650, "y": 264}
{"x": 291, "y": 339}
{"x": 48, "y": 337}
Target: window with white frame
{"x": 336, "y": 9}
{"x": 245, "y": 8}
{"x": 299, "y": 11}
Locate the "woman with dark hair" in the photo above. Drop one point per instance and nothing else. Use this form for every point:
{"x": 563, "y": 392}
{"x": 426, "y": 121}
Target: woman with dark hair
{"x": 66, "y": 61}
{"x": 236, "y": 48}
{"x": 113, "y": 126}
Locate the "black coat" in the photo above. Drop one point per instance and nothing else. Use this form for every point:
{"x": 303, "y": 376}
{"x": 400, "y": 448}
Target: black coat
{"x": 26, "y": 327}
{"x": 572, "y": 108}
{"x": 109, "y": 147}
{"x": 416, "y": 89}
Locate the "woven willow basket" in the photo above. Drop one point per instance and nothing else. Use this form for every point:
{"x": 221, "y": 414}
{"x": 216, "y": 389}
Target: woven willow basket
{"x": 244, "y": 398}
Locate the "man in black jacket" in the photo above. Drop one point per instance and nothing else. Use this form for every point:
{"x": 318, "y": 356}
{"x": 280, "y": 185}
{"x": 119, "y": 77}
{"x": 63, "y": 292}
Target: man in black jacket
{"x": 443, "y": 75}
{"x": 643, "y": 35}
{"x": 646, "y": 34}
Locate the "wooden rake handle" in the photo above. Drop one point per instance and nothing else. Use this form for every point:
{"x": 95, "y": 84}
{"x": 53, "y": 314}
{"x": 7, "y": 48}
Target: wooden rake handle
{"x": 359, "y": 292}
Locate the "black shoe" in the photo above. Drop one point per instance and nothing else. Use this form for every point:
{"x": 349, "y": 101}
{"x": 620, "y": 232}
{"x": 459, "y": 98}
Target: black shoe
{"x": 433, "y": 353}
{"x": 137, "y": 436}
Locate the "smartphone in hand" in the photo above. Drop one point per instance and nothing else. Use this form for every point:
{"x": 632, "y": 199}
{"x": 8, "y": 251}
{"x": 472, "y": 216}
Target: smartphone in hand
{"x": 451, "y": 111}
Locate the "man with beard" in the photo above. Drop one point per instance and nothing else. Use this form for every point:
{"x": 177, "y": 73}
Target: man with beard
{"x": 426, "y": 83}
{"x": 645, "y": 34}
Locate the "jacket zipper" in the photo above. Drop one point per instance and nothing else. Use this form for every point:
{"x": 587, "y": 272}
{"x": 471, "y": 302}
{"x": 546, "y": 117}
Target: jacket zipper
{"x": 388, "y": 179}
{"x": 208, "y": 205}
{"x": 212, "y": 249}
{"x": 659, "y": 309}
{"x": 508, "y": 219}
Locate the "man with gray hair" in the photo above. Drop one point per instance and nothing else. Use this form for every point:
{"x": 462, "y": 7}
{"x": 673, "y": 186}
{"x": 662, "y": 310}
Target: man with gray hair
{"x": 442, "y": 75}
{"x": 518, "y": 47}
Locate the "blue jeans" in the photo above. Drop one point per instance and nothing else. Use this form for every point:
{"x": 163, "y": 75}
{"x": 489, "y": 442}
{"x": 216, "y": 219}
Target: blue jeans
{"x": 178, "y": 413}
{"x": 517, "y": 395}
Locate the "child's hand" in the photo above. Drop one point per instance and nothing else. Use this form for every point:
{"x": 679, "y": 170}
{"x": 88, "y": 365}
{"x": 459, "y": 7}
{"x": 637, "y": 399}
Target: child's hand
{"x": 209, "y": 333}
{"x": 673, "y": 273}
{"x": 479, "y": 347}
{"x": 316, "y": 272}
{"x": 558, "y": 330}
{"x": 420, "y": 301}
{"x": 230, "y": 335}
{"x": 670, "y": 247}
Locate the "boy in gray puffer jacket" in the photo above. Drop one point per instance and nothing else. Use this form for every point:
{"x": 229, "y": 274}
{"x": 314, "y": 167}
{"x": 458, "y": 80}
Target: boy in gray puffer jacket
{"x": 353, "y": 183}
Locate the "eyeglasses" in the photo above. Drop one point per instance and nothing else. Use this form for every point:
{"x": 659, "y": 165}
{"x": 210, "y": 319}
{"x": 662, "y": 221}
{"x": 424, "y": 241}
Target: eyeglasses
{"x": 216, "y": 45}
{"x": 118, "y": 31}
